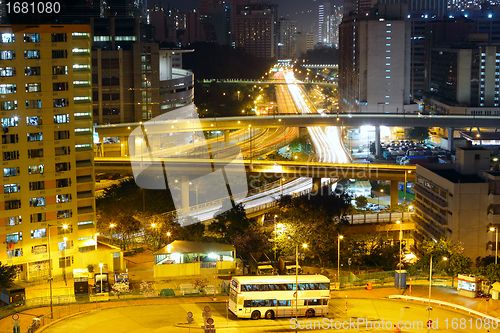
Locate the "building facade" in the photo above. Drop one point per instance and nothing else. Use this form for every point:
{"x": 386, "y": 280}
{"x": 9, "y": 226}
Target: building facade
{"x": 305, "y": 42}
{"x": 374, "y": 61}
{"x": 287, "y": 39}
{"x": 458, "y": 202}
{"x": 47, "y": 149}
{"x": 255, "y": 29}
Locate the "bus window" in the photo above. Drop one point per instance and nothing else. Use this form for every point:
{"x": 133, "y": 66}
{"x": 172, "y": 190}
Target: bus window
{"x": 284, "y": 303}
{"x": 265, "y": 287}
{"x": 324, "y": 286}
{"x": 313, "y": 302}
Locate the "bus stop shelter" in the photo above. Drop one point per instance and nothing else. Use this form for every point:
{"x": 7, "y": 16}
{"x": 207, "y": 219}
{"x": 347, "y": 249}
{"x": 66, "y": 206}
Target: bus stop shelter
{"x": 194, "y": 258}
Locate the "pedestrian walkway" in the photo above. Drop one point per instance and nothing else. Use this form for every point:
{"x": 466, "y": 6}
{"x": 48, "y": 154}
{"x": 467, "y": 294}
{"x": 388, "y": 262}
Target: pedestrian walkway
{"x": 438, "y": 293}
{"x": 443, "y": 294}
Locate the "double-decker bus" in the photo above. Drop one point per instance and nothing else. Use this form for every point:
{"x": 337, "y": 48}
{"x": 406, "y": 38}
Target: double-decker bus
{"x": 274, "y": 296}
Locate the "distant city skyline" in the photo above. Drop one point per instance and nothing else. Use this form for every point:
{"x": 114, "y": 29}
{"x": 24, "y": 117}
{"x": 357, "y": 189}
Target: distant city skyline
{"x": 305, "y": 12}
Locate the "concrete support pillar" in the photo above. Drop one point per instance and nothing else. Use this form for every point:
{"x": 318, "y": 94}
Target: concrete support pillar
{"x": 124, "y": 146}
{"x": 394, "y": 194}
{"x": 226, "y": 137}
{"x": 316, "y": 185}
{"x": 303, "y": 131}
{"x": 377, "y": 140}
{"x": 185, "y": 191}
{"x": 451, "y": 130}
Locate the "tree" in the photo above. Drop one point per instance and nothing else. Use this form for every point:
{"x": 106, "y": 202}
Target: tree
{"x": 253, "y": 240}
{"x": 417, "y": 133}
{"x": 305, "y": 217}
{"x": 454, "y": 264}
{"x": 361, "y": 202}
{"x": 7, "y": 276}
{"x": 230, "y": 222}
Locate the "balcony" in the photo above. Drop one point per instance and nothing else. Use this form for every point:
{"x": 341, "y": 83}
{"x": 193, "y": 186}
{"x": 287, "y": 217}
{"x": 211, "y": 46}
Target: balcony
{"x": 84, "y": 194}
{"x": 84, "y": 179}
{"x": 81, "y": 100}
{"x": 494, "y": 219}
{"x": 85, "y": 210}
{"x": 436, "y": 217}
{"x": 429, "y": 195}
{"x": 83, "y": 147}
{"x": 83, "y": 163}
{"x": 493, "y": 199}
{"x": 426, "y": 228}
{"x": 83, "y": 116}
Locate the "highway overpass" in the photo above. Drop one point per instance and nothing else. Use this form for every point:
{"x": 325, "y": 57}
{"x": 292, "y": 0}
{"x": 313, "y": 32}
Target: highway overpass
{"x": 246, "y": 81}
{"x": 197, "y": 167}
{"x": 273, "y": 121}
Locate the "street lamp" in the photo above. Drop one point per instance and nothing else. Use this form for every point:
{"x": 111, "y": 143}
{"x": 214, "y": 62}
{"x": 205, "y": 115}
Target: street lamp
{"x": 297, "y": 279}
{"x": 64, "y": 226}
{"x": 430, "y": 288}
{"x": 381, "y": 191}
{"x": 495, "y": 229}
{"x": 400, "y": 243}
{"x": 406, "y": 174}
{"x": 168, "y": 235}
{"x": 100, "y": 266}
{"x": 275, "y": 234}
{"x": 282, "y": 180}
{"x": 338, "y": 259}
{"x": 153, "y": 225}
{"x": 111, "y": 226}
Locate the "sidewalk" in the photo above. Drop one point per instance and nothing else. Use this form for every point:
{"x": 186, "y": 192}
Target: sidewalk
{"x": 438, "y": 293}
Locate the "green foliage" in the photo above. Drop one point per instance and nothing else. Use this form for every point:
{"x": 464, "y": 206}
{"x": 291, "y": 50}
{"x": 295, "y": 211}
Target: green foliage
{"x": 7, "y": 276}
{"x": 305, "y": 218}
{"x": 200, "y": 283}
{"x": 229, "y": 222}
{"x": 372, "y": 250}
{"x": 253, "y": 240}
{"x": 417, "y": 133}
{"x": 455, "y": 263}
{"x": 491, "y": 273}
{"x": 361, "y": 202}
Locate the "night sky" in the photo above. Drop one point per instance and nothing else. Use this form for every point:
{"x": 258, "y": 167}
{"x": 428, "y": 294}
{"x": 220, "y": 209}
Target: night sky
{"x": 305, "y": 12}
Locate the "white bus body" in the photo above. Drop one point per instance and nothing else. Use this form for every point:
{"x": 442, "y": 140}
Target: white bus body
{"x": 274, "y": 296}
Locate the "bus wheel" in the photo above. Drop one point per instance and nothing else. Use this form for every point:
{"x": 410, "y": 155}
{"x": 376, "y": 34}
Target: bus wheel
{"x": 269, "y": 314}
{"x": 310, "y": 313}
{"x": 256, "y": 315}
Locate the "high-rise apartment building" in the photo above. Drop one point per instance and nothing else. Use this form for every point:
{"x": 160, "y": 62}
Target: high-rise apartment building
{"x": 335, "y": 20}
{"x": 305, "y": 42}
{"x": 47, "y": 149}
{"x": 324, "y": 24}
{"x": 374, "y": 61}
{"x": 287, "y": 39}
{"x": 255, "y": 29}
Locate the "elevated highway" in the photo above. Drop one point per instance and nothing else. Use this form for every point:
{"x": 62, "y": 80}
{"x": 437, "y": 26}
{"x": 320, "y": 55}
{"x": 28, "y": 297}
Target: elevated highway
{"x": 246, "y": 81}
{"x": 196, "y": 167}
{"x": 306, "y": 120}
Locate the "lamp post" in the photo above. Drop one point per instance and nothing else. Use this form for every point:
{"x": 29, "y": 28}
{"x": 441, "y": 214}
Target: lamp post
{"x": 168, "y": 235}
{"x": 406, "y": 174}
{"x": 381, "y": 191}
{"x": 111, "y": 226}
{"x": 282, "y": 180}
{"x": 153, "y": 225}
{"x": 100, "y": 266}
{"x": 429, "y": 304}
{"x": 495, "y": 229}
{"x": 275, "y": 216}
{"x": 338, "y": 259}
{"x": 297, "y": 279}
{"x": 400, "y": 243}
{"x": 64, "y": 226}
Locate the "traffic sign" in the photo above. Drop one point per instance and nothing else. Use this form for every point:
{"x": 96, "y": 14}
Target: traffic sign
{"x": 487, "y": 298}
{"x": 210, "y": 321}
{"x": 207, "y": 308}
{"x": 429, "y": 323}
{"x": 15, "y": 316}
{"x": 190, "y": 314}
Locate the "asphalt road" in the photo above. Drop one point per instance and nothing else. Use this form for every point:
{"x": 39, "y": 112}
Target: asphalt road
{"x": 361, "y": 315}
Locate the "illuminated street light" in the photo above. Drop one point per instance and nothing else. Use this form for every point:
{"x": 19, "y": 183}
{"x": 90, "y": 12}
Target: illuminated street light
{"x": 400, "y": 243}
{"x": 338, "y": 259}
{"x": 495, "y": 229}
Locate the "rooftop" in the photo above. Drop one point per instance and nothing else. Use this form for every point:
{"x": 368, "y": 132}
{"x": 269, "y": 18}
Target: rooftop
{"x": 194, "y": 247}
{"x": 456, "y": 177}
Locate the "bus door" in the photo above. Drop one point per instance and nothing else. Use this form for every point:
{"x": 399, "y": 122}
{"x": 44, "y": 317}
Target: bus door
{"x": 239, "y": 305}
